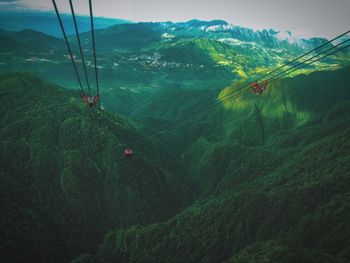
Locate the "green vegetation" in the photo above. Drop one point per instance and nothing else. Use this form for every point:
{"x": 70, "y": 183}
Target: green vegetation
{"x": 64, "y": 182}
{"x": 255, "y": 179}
{"x": 285, "y": 201}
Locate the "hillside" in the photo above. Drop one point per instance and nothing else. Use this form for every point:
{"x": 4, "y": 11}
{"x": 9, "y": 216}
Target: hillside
{"x": 27, "y": 41}
{"x": 64, "y": 181}
{"x": 286, "y": 200}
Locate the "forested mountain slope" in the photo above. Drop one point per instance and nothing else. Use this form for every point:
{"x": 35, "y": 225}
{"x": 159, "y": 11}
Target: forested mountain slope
{"x": 253, "y": 179}
{"x": 64, "y": 180}
{"x": 282, "y": 200}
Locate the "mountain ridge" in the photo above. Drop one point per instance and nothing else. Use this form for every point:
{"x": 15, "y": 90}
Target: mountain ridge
{"x": 217, "y": 29}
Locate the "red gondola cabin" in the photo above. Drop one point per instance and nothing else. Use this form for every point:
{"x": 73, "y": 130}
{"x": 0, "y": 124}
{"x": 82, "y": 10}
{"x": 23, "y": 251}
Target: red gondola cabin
{"x": 91, "y": 101}
{"x": 258, "y": 88}
{"x": 128, "y": 153}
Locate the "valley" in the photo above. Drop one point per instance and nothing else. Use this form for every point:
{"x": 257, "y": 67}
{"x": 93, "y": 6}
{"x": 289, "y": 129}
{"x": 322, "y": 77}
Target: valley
{"x": 257, "y": 178}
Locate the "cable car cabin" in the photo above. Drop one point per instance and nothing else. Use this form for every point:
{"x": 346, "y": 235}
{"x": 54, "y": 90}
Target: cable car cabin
{"x": 128, "y": 152}
{"x": 258, "y": 88}
{"x": 90, "y": 101}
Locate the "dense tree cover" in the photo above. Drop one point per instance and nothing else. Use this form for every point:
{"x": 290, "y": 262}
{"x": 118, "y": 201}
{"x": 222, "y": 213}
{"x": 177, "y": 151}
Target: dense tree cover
{"x": 283, "y": 201}
{"x": 298, "y": 197}
{"x": 256, "y": 179}
{"x": 64, "y": 180}
{"x": 67, "y": 191}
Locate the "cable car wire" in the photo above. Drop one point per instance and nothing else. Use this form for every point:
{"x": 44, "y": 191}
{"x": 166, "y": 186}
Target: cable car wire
{"x": 208, "y": 107}
{"x": 80, "y": 47}
{"x": 288, "y": 63}
{"x": 237, "y": 93}
{"x": 311, "y": 62}
{"x": 308, "y": 53}
{"x": 275, "y": 70}
{"x": 243, "y": 86}
{"x": 292, "y": 69}
{"x": 90, "y": 115}
{"x": 68, "y": 47}
{"x": 242, "y": 91}
{"x": 94, "y": 52}
{"x": 303, "y": 62}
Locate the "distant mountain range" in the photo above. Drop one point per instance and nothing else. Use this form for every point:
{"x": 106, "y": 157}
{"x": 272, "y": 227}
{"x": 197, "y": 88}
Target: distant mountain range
{"x": 136, "y": 59}
{"x": 215, "y": 29}
{"x": 141, "y": 34}
{"x": 28, "y": 40}
{"x": 47, "y": 22}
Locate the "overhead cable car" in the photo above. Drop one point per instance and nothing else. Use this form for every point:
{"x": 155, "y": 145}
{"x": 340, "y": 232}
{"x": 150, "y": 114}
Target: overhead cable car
{"x": 128, "y": 152}
{"x": 259, "y": 88}
{"x": 91, "y": 101}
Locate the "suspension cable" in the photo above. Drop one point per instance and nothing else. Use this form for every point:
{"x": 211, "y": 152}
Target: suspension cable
{"x": 72, "y": 58}
{"x": 313, "y": 61}
{"x": 68, "y": 47}
{"x": 79, "y": 44}
{"x": 232, "y": 95}
{"x": 244, "y": 86}
{"x": 292, "y": 69}
{"x": 308, "y": 53}
{"x": 94, "y": 51}
{"x": 297, "y": 66}
{"x": 242, "y": 91}
{"x": 290, "y": 62}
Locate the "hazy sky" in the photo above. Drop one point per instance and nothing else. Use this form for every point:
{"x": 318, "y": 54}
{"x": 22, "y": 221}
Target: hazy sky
{"x": 305, "y": 18}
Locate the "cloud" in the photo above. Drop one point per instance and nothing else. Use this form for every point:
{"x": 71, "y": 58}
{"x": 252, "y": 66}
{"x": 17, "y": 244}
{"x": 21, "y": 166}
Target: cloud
{"x": 11, "y": 5}
{"x": 27, "y": 5}
{"x": 15, "y": 5}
